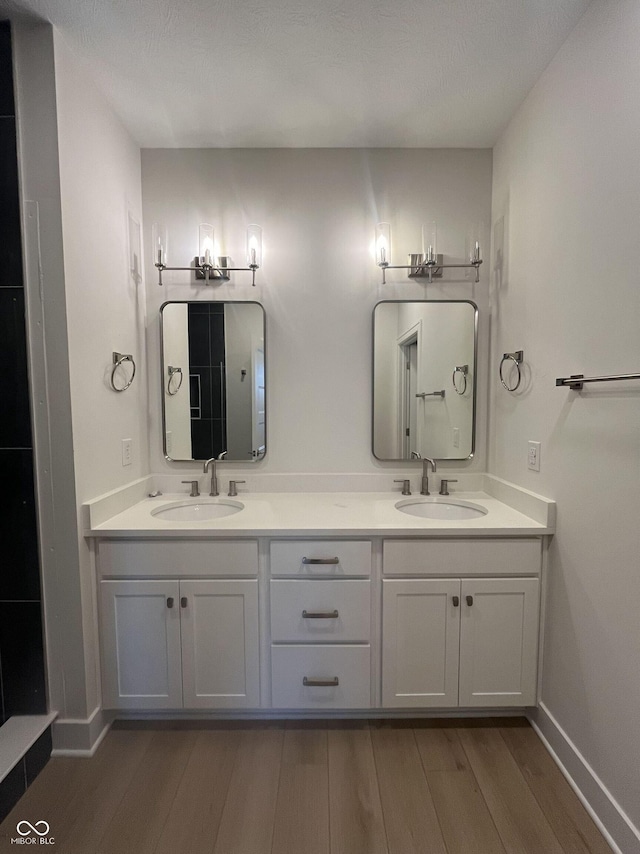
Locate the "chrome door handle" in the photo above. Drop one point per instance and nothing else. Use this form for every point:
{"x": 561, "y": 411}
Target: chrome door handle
{"x": 320, "y": 560}
{"x": 320, "y": 615}
{"x": 321, "y": 683}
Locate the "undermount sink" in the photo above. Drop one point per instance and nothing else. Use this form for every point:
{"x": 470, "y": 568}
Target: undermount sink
{"x": 441, "y": 508}
{"x": 197, "y": 510}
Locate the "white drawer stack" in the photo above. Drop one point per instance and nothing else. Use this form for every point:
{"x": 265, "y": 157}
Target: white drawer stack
{"x": 320, "y": 624}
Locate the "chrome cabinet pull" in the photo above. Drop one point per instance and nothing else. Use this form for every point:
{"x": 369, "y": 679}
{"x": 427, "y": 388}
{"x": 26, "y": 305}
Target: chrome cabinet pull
{"x": 321, "y": 683}
{"x": 183, "y": 602}
{"x": 170, "y": 602}
{"x": 456, "y": 601}
{"x": 320, "y": 615}
{"x": 469, "y": 600}
{"x": 320, "y": 560}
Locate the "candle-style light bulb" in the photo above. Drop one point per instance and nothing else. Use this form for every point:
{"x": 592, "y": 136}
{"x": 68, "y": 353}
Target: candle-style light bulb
{"x": 474, "y": 234}
{"x": 205, "y": 243}
{"x": 159, "y": 244}
{"x": 383, "y": 244}
{"x": 430, "y": 243}
{"x": 254, "y": 246}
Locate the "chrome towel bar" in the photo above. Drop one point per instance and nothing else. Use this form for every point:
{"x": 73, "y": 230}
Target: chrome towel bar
{"x": 576, "y": 381}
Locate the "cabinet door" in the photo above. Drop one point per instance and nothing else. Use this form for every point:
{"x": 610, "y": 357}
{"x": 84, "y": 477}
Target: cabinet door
{"x": 220, "y": 654}
{"x": 420, "y": 642}
{"x": 140, "y": 645}
{"x": 499, "y": 642}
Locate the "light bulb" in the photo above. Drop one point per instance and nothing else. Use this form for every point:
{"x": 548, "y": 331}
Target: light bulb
{"x": 205, "y": 243}
{"x": 254, "y": 246}
{"x": 474, "y": 234}
{"x": 383, "y": 244}
{"x": 430, "y": 242}
{"x": 159, "y": 244}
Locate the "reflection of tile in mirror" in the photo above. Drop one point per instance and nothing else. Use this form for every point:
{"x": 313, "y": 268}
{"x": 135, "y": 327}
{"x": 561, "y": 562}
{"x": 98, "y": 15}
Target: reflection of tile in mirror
{"x": 199, "y": 350}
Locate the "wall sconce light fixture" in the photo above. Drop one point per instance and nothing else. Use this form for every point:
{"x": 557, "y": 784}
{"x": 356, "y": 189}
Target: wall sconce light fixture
{"x": 427, "y": 264}
{"x": 206, "y": 265}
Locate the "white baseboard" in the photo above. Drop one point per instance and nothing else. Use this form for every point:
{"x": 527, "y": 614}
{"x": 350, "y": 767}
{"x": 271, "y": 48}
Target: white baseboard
{"x": 612, "y": 821}
{"x": 80, "y": 737}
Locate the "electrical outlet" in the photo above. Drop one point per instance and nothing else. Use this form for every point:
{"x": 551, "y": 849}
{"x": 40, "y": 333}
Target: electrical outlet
{"x": 533, "y": 458}
{"x": 127, "y": 452}
{"x": 456, "y": 437}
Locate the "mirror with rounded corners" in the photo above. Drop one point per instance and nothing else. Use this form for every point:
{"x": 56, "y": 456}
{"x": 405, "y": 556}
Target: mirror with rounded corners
{"x": 424, "y": 379}
{"x": 213, "y": 380}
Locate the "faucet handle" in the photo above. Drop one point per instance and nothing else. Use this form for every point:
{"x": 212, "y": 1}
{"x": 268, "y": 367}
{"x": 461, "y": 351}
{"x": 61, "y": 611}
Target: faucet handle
{"x": 406, "y": 486}
{"x": 195, "y": 492}
{"x": 444, "y": 485}
{"x": 233, "y": 487}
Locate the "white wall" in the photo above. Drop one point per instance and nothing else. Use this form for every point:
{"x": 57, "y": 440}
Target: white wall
{"x": 104, "y": 293}
{"x": 100, "y": 186}
{"x": 566, "y": 211}
{"x": 319, "y": 282}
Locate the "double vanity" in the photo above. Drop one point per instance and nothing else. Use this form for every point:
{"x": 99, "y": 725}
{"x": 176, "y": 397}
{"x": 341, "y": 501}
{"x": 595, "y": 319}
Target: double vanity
{"x": 318, "y": 603}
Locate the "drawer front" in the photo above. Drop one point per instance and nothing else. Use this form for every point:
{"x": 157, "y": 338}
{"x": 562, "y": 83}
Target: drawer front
{"x": 171, "y": 558}
{"x": 348, "y": 666}
{"x": 472, "y": 557}
{"x": 319, "y": 558}
{"x": 320, "y": 611}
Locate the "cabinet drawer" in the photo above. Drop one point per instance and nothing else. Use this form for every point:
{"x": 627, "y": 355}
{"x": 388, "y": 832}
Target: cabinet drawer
{"x": 169, "y": 558}
{"x": 348, "y": 666}
{"x": 349, "y": 601}
{"x": 462, "y": 557}
{"x": 320, "y": 558}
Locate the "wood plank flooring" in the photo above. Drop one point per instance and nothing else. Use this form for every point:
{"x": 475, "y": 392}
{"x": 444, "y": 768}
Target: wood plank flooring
{"x": 483, "y": 786}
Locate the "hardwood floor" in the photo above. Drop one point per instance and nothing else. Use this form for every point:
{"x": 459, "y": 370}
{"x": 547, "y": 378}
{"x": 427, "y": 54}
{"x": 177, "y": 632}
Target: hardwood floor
{"x": 311, "y": 787}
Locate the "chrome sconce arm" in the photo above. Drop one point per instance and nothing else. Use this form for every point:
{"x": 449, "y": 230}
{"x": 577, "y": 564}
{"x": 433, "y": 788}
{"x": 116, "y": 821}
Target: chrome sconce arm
{"x": 430, "y": 270}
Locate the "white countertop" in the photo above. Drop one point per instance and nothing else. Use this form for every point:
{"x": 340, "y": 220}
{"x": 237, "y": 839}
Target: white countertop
{"x": 327, "y": 514}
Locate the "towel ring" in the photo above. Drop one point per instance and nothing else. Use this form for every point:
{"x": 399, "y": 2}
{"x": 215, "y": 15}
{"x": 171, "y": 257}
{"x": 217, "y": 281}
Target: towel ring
{"x": 172, "y": 373}
{"x": 120, "y": 359}
{"x": 516, "y": 358}
{"x": 464, "y": 371}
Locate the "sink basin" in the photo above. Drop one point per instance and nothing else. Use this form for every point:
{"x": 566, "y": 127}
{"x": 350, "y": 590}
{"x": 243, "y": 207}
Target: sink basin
{"x": 441, "y": 508}
{"x": 197, "y": 510}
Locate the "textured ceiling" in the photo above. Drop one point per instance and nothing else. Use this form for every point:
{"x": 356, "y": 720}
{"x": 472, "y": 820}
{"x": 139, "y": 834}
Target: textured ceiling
{"x": 313, "y": 73}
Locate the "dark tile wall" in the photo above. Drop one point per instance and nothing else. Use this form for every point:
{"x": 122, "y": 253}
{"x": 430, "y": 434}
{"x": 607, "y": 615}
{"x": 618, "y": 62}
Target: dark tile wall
{"x": 22, "y": 673}
{"x": 207, "y": 386}
{"x": 16, "y": 783}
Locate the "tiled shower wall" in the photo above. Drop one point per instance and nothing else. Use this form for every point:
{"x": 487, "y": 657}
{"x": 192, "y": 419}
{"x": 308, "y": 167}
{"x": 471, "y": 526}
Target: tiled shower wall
{"x": 22, "y": 677}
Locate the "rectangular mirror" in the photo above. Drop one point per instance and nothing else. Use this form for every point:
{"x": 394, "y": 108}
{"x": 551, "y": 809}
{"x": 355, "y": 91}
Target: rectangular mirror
{"x": 213, "y": 380}
{"x": 424, "y": 372}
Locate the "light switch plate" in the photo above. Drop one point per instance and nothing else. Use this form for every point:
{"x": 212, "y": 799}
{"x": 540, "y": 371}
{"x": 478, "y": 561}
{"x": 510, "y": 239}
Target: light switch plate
{"x": 533, "y": 457}
{"x": 127, "y": 452}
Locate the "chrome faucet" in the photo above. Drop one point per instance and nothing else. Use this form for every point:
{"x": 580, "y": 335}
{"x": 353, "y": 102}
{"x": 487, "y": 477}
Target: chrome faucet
{"x": 214, "y": 477}
{"x": 425, "y": 474}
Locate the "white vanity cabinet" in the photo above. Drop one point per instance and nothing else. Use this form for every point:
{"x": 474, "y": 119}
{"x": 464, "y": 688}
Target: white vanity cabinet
{"x": 320, "y": 594}
{"x": 325, "y": 625}
{"x": 455, "y": 640}
{"x": 171, "y": 643}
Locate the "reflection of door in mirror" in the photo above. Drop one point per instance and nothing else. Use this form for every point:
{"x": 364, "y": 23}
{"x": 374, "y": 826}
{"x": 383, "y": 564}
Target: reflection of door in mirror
{"x": 212, "y": 415}
{"x": 417, "y": 410}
